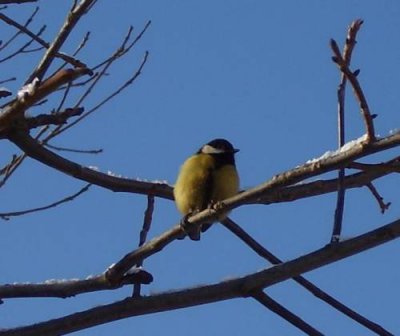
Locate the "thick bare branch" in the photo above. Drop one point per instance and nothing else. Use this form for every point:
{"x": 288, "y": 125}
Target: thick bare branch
{"x": 38, "y": 152}
{"x": 291, "y": 193}
{"x": 234, "y": 288}
{"x": 319, "y": 187}
{"x": 15, "y": 110}
{"x": 68, "y": 288}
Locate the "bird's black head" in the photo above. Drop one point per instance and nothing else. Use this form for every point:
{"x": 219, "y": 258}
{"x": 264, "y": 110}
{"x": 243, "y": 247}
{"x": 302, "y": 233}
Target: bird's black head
{"x": 220, "y": 148}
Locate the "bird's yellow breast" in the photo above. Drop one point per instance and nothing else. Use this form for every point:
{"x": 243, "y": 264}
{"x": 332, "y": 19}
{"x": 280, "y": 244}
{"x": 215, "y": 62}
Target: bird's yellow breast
{"x": 226, "y": 183}
{"x": 199, "y": 183}
{"x": 190, "y": 187}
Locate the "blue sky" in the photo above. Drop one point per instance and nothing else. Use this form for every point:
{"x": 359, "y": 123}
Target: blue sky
{"x": 258, "y": 73}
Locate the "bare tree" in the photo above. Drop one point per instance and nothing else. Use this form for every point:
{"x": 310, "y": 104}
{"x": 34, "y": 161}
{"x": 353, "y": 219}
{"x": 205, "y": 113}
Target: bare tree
{"x": 74, "y": 80}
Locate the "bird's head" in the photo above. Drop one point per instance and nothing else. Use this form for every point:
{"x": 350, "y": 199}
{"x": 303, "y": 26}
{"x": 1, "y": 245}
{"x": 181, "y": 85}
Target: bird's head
{"x": 218, "y": 146}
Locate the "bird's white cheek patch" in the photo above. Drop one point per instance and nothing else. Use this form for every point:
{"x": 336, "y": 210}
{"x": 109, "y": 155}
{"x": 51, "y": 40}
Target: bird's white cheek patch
{"x": 207, "y": 149}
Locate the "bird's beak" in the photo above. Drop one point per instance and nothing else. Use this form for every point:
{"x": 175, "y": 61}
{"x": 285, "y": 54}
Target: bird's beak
{"x": 235, "y": 150}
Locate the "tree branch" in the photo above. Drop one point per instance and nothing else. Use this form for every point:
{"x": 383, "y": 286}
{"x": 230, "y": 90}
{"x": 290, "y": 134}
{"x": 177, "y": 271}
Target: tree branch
{"x": 382, "y": 205}
{"x": 33, "y": 149}
{"x": 229, "y": 289}
{"x": 58, "y": 118}
{"x": 40, "y": 153}
{"x": 72, "y": 19}
{"x": 15, "y": 110}
{"x": 108, "y": 98}
{"x": 347, "y": 53}
{"x": 73, "y": 150}
{"x": 39, "y": 40}
{"x": 252, "y": 195}
{"x": 5, "y": 2}
{"x": 67, "y": 288}
{"x": 319, "y": 293}
{"x": 23, "y": 48}
{"x": 7, "y": 215}
{"x": 148, "y": 217}
{"x": 27, "y": 23}
{"x": 358, "y": 92}
{"x": 286, "y": 314}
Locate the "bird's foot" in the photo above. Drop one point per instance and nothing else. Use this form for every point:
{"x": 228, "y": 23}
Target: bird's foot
{"x": 214, "y": 206}
{"x": 217, "y": 206}
{"x": 192, "y": 232}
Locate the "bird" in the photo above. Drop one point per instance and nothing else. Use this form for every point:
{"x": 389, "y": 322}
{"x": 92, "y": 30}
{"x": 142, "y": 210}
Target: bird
{"x": 204, "y": 180}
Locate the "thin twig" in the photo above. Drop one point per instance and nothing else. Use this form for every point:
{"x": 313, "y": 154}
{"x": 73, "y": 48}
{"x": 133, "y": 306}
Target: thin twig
{"x": 11, "y": 79}
{"x": 316, "y": 291}
{"x": 382, "y": 205}
{"x": 367, "y": 167}
{"x": 7, "y": 215}
{"x": 10, "y": 169}
{"x": 347, "y": 53}
{"x": 27, "y": 23}
{"x": 62, "y": 66}
{"x": 72, "y": 19}
{"x": 108, "y": 98}
{"x": 124, "y": 48}
{"x": 148, "y": 217}
{"x": 6, "y": 168}
{"x": 358, "y": 92}
{"x": 28, "y": 51}
{"x": 82, "y": 44}
{"x": 84, "y": 82}
{"x": 286, "y": 314}
{"x": 58, "y": 118}
{"x": 3, "y": 2}
{"x": 72, "y": 150}
{"x": 19, "y": 160}
{"x": 94, "y": 81}
{"x": 4, "y": 93}
{"x": 21, "y": 49}
{"x": 79, "y": 48}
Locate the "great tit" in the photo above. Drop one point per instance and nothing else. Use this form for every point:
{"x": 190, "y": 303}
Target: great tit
{"x": 206, "y": 178}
